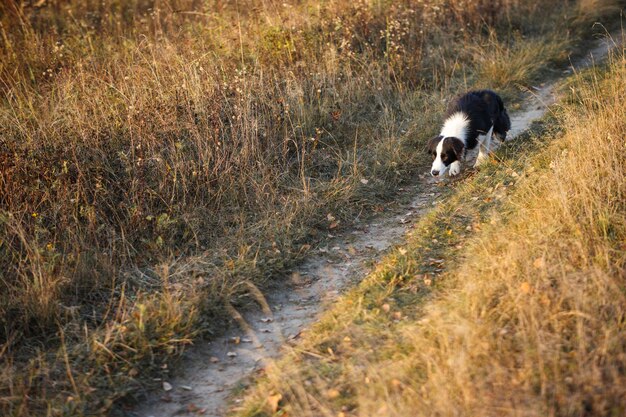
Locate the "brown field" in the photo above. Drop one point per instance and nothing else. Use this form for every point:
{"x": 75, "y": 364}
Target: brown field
{"x": 160, "y": 158}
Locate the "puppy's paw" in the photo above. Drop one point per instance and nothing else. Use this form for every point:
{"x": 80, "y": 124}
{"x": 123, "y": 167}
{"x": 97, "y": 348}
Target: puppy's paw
{"x": 455, "y": 168}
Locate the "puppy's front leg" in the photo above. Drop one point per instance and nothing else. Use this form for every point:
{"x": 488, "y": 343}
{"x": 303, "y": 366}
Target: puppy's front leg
{"x": 455, "y": 168}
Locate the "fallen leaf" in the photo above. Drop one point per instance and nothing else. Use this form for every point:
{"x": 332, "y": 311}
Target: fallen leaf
{"x": 333, "y": 225}
{"x": 296, "y": 278}
{"x": 332, "y": 394}
{"x": 330, "y": 217}
{"x": 273, "y": 401}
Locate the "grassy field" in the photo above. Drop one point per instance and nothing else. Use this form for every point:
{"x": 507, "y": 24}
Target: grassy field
{"x": 160, "y": 158}
{"x": 507, "y": 300}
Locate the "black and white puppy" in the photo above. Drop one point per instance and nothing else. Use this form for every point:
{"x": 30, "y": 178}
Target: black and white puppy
{"x": 472, "y": 119}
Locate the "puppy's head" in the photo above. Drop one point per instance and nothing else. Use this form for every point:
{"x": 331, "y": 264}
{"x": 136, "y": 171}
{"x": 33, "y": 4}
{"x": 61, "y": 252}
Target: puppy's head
{"x": 444, "y": 151}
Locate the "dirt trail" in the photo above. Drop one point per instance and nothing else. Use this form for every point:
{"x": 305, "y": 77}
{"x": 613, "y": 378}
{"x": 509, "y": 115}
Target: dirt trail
{"x": 213, "y": 370}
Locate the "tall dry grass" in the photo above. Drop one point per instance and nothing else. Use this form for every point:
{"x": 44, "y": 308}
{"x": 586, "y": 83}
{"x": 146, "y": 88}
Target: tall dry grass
{"x": 156, "y": 157}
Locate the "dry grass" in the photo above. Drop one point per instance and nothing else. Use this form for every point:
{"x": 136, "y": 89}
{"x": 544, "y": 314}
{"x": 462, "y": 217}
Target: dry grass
{"x": 158, "y": 158}
{"x": 501, "y": 66}
{"x": 508, "y": 300}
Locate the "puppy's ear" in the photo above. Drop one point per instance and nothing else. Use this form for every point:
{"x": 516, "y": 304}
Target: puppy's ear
{"x": 459, "y": 148}
{"x": 431, "y": 146}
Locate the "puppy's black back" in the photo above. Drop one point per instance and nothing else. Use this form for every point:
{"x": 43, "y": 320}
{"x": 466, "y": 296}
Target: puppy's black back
{"x": 484, "y": 109}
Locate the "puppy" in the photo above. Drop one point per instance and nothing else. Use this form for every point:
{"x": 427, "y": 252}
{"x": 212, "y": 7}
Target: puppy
{"x": 472, "y": 119}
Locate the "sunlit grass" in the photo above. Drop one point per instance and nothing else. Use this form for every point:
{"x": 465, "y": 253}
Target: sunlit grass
{"x": 159, "y": 159}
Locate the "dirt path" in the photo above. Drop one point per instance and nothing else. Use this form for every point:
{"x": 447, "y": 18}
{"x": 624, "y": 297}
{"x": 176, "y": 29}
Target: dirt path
{"x": 217, "y": 367}
{"x": 214, "y": 370}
